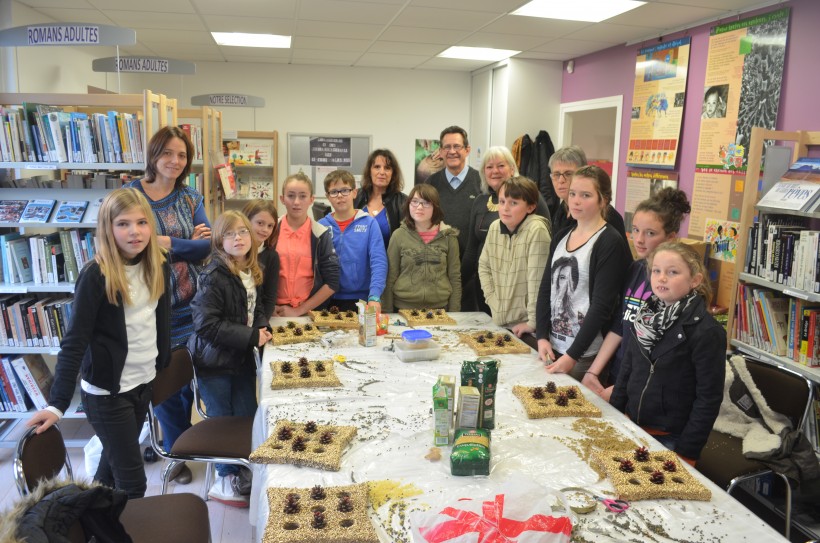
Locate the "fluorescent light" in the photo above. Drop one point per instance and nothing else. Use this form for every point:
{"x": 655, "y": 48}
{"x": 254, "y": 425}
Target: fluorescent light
{"x": 478, "y": 53}
{"x": 241, "y": 39}
{"x": 593, "y": 11}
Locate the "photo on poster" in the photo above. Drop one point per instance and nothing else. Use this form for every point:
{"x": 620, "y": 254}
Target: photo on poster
{"x": 428, "y": 159}
{"x": 721, "y": 235}
{"x": 715, "y": 99}
{"x": 642, "y": 185}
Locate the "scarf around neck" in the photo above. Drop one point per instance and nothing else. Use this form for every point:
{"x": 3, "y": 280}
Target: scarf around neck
{"x": 655, "y": 317}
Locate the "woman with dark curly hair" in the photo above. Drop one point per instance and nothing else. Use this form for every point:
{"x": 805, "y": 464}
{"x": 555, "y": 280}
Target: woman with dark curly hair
{"x": 381, "y": 195}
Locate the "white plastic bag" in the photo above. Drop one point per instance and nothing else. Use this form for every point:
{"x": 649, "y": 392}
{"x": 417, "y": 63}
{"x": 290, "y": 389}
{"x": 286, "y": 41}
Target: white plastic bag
{"x": 93, "y": 451}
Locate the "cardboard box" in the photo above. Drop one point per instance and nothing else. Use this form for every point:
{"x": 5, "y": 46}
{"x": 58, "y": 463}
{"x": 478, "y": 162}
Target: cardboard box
{"x": 442, "y": 411}
{"x": 469, "y": 406}
{"x": 367, "y": 324}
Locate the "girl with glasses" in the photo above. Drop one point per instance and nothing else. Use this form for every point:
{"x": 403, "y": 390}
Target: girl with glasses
{"x": 229, "y": 321}
{"x": 423, "y": 258}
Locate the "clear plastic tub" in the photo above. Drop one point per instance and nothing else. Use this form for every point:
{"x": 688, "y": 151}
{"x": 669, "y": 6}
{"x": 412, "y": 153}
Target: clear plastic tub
{"x": 417, "y": 339}
{"x": 411, "y": 352}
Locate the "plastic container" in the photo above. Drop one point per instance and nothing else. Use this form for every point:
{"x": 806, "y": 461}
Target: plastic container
{"x": 411, "y": 352}
{"x": 417, "y": 339}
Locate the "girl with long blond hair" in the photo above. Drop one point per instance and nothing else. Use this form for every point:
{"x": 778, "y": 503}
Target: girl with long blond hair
{"x": 119, "y": 338}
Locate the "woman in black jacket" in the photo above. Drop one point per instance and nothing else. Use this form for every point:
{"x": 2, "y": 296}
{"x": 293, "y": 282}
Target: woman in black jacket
{"x": 381, "y": 195}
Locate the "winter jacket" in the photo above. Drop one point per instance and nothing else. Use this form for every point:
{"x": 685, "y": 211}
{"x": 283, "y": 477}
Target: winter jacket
{"x": 422, "y": 275}
{"x": 678, "y": 388}
{"x": 511, "y": 267}
{"x": 393, "y": 204}
{"x": 325, "y": 261}
{"x": 223, "y": 339}
{"x": 269, "y": 262}
{"x": 608, "y": 263}
{"x": 96, "y": 343}
{"x": 538, "y": 168}
{"x": 362, "y": 258}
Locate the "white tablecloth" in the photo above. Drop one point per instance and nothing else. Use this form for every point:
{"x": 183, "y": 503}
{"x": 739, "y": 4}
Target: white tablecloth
{"x": 390, "y": 402}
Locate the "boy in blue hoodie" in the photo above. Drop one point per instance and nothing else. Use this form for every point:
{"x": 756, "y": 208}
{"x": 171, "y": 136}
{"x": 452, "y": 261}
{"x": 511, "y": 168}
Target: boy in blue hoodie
{"x": 358, "y": 243}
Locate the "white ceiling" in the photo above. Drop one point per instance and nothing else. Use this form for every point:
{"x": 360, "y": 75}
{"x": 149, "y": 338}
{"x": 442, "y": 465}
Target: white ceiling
{"x": 377, "y": 33}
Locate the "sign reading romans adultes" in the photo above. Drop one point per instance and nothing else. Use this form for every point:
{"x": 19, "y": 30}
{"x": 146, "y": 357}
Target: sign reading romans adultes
{"x": 657, "y": 104}
{"x": 744, "y": 72}
{"x": 330, "y": 152}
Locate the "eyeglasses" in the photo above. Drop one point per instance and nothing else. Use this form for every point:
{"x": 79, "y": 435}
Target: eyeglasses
{"x": 339, "y": 192}
{"x": 558, "y": 175}
{"x": 242, "y": 233}
{"x": 455, "y": 148}
{"x": 423, "y": 203}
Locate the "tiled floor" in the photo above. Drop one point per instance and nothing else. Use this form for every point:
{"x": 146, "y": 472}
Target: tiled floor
{"x": 228, "y": 524}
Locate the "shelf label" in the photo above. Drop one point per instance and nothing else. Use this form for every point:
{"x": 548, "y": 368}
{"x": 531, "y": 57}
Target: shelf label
{"x": 12, "y": 289}
{"x": 67, "y": 34}
{"x": 39, "y": 166}
{"x": 796, "y": 293}
{"x": 134, "y": 64}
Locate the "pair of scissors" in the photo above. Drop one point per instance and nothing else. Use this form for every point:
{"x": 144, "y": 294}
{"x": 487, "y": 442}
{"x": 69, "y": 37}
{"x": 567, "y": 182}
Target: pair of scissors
{"x": 612, "y": 505}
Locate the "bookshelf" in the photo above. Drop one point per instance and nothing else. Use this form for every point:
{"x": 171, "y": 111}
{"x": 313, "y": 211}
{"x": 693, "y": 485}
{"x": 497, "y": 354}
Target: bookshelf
{"x": 251, "y": 168}
{"x": 800, "y": 141}
{"x": 209, "y": 124}
{"x": 151, "y": 111}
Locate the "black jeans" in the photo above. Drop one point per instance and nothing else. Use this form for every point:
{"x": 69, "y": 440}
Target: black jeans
{"x": 117, "y": 419}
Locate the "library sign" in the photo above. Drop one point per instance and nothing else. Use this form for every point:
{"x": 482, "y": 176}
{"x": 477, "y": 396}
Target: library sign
{"x": 227, "y": 100}
{"x": 145, "y": 65}
{"x": 67, "y": 34}
{"x": 330, "y": 152}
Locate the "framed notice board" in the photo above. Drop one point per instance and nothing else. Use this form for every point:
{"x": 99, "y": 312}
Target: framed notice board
{"x": 318, "y": 154}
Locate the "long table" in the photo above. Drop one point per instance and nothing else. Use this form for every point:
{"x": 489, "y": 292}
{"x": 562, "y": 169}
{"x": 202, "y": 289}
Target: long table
{"x": 390, "y": 403}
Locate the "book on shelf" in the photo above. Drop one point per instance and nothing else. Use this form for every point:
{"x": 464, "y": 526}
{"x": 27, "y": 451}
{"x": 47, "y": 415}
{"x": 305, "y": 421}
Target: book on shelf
{"x": 37, "y": 211}
{"x": 32, "y": 322}
{"x": 93, "y": 211}
{"x": 10, "y": 274}
{"x": 21, "y": 403}
{"x": 12, "y": 210}
{"x": 36, "y": 378}
{"x": 21, "y": 259}
{"x": 70, "y": 212}
{"x": 227, "y": 180}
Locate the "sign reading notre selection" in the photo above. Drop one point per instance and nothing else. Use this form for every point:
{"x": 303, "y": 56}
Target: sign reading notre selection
{"x": 227, "y": 99}
{"x": 330, "y": 152}
{"x": 67, "y": 34}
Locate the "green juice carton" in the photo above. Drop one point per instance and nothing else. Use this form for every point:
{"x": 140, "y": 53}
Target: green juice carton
{"x": 443, "y": 398}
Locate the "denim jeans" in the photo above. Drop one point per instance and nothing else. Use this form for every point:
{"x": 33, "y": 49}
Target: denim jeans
{"x": 669, "y": 441}
{"x": 228, "y": 395}
{"x": 117, "y": 419}
{"x": 174, "y": 415}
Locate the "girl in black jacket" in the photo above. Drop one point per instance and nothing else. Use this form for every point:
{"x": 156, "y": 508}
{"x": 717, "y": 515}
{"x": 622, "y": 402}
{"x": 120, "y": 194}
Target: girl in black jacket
{"x": 229, "y": 322}
{"x": 671, "y": 377}
{"x": 118, "y": 339}
{"x": 265, "y": 225}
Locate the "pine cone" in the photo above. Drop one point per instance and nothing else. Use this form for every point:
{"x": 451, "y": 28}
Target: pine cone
{"x": 318, "y": 521}
{"x": 298, "y": 444}
{"x": 507, "y": 338}
{"x": 499, "y": 341}
{"x": 318, "y": 493}
{"x": 562, "y": 400}
{"x": 490, "y": 335}
{"x": 572, "y": 393}
{"x": 280, "y": 329}
{"x": 338, "y": 316}
{"x": 291, "y": 504}
{"x": 308, "y": 327}
{"x": 429, "y": 315}
{"x": 345, "y": 504}
{"x": 291, "y": 324}
{"x": 287, "y": 367}
{"x": 304, "y": 373}
{"x": 670, "y": 466}
{"x": 480, "y": 339}
{"x": 657, "y": 477}
{"x": 297, "y": 332}
{"x": 438, "y": 312}
{"x": 414, "y": 313}
{"x": 320, "y": 366}
{"x": 334, "y": 310}
{"x": 303, "y": 361}
{"x": 349, "y": 314}
{"x": 551, "y": 388}
{"x": 538, "y": 393}
{"x": 285, "y": 433}
{"x": 326, "y": 438}
{"x": 310, "y": 427}
{"x": 641, "y": 454}
{"x": 627, "y": 466}
{"x": 324, "y": 313}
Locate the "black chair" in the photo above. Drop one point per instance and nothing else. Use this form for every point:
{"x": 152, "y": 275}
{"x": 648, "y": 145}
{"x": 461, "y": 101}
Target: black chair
{"x": 320, "y": 209}
{"x": 213, "y": 440}
{"x": 173, "y": 518}
{"x": 722, "y": 461}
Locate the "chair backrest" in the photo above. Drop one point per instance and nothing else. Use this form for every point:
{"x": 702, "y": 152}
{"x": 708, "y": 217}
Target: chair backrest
{"x": 170, "y": 380}
{"x": 320, "y": 209}
{"x": 786, "y": 391}
{"x": 40, "y": 456}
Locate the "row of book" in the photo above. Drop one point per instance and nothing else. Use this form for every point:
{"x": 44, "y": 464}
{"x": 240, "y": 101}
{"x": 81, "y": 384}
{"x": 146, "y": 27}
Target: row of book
{"x": 29, "y": 321}
{"x": 194, "y": 132}
{"x": 25, "y": 382}
{"x": 41, "y": 133}
{"x": 784, "y": 250}
{"x": 49, "y": 211}
{"x": 778, "y": 324}
{"x": 45, "y": 258}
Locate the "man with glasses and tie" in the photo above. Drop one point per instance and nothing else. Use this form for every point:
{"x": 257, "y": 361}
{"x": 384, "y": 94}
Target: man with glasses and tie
{"x": 563, "y": 164}
{"x": 458, "y": 185}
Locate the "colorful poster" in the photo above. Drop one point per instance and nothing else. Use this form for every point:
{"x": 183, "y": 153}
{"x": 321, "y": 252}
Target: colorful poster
{"x": 744, "y": 72}
{"x": 722, "y": 238}
{"x": 657, "y": 104}
{"x": 428, "y": 160}
{"x": 641, "y": 185}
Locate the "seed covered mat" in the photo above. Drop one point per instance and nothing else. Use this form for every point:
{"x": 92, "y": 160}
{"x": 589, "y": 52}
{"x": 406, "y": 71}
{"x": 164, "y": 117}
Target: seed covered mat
{"x": 554, "y": 401}
{"x": 303, "y": 373}
{"x": 336, "y": 514}
{"x": 426, "y": 317}
{"x": 334, "y": 318}
{"x": 649, "y": 475}
{"x": 305, "y": 444}
{"x": 487, "y": 343}
{"x": 294, "y": 333}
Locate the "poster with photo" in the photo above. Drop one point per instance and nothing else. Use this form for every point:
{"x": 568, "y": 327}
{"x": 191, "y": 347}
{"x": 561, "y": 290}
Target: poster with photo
{"x": 641, "y": 185}
{"x": 428, "y": 159}
{"x": 722, "y": 236}
{"x": 714, "y": 195}
{"x": 744, "y": 72}
{"x": 657, "y": 104}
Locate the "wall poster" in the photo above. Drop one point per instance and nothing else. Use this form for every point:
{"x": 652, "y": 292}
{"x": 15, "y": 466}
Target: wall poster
{"x": 642, "y": 185}
{"x": 657, "y": 104}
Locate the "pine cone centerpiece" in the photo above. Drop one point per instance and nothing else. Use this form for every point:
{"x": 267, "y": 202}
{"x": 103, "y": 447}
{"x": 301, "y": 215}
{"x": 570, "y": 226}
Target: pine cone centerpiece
{"x": 562, "y": 400}
{"x": 499, "y": 341}
{"x": 318, "y": 521}
{"x": 318, "y": 493}
{"x": 291, "y": 504}
{"x": 320, "y": 366}
{"x": 303, "y": 361}
{"x": 481, "y": 339}
{"x": 657, "y": 477}
{"x": 285, "y": 433}
{"x": 626, "y": 466}
{"x": 298, "y": 444}
{"x": 287, "y": 367}
{"x": 310, "y": 427}
{"x": 345, "y": 504}
{"x": 538, "y": 393}
{"x": 326, "y": 438}
{"x": 334, "y": 310}
{"x": 642, "y": 454}
{"x": 572, "y": 393}
{"x": 670, "y": 466}
{"x": 304, "y": 373}
{"x": 551, "y": 387}
{"x": 297, "y": 332}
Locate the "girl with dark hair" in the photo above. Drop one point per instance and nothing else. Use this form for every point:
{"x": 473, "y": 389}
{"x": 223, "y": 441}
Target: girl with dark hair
{"x": 381, "y": 195}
